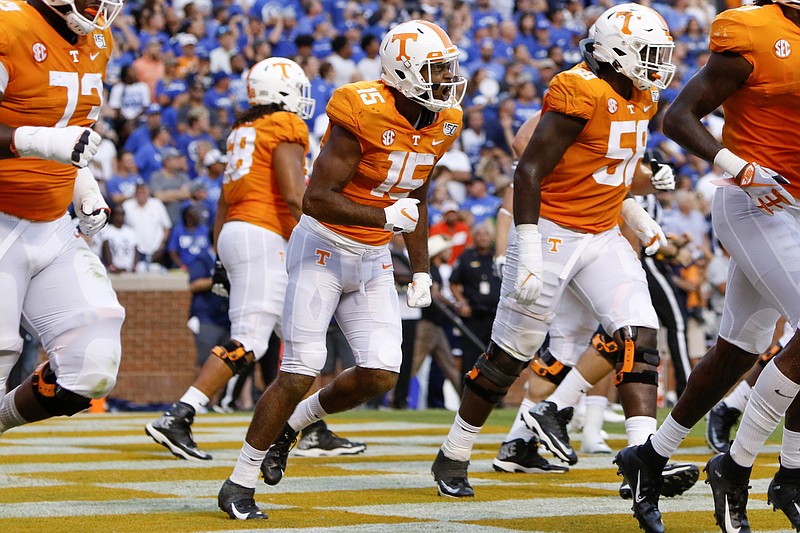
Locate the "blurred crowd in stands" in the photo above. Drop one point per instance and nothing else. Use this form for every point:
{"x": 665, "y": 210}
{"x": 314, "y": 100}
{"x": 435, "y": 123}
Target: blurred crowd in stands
{"x": 177, "y": 78}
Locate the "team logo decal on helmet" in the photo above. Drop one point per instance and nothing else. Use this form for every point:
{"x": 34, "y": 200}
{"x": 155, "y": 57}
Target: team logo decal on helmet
{"x": 281, "y": 81}
{"x": 419, "y": 60}
{"x": 636, "y": 42}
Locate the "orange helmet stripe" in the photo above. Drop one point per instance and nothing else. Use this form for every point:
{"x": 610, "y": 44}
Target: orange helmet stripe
{"x": 440, "y": 32}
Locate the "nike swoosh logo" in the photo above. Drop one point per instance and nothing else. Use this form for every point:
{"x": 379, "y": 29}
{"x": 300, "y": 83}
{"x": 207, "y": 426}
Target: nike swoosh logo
{"x": 638, "y": 498}
{"x": 385, "y": 266}
{"x": 646, "y": 109}
{"x": 796, "y": 506}
{"x": 728, "y": 524}
{"x": 237, "y": 514}
{"x": 437, "y": 141}
{"x": 94, "y": 55}
{"x": 409, "y": 217}
{"x": 782, "y": 395}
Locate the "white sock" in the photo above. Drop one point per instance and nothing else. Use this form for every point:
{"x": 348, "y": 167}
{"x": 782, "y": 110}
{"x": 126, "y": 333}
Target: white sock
{"x": 593, "y": 420}
{"x": 771, "y": 397}
{"x": 195, "y": 398}
{"x": 738, "y": 397}
{"x": 668, "y": 437}
{"x": 569, "y": 392}
{"x": 9, "y": 416}
{"x": 458, "y": 445}
{"x": 790, "y": 449}
{"x": 307, "y": 412}
{"x": 518, "y": 429}
{"x": 639, "y": 428}
{"x": 248, "y": 466}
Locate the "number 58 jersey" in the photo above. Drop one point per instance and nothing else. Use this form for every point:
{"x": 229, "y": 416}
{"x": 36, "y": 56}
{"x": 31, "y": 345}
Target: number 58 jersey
{"x": 45, "y": 81}
{"x": 396, "y": 158}
{"x": 586, "y": 189}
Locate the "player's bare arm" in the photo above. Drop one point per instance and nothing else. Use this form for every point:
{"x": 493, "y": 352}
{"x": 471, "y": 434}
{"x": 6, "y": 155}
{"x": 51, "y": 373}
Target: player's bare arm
{"x": 417, "y": 240}
{"x": 553, "y": 135}
{"x": 287, "y": 163}
{"x": 6, "y": 135}
{"x": 333, "y": 170}
{"x": 706, "y": 91}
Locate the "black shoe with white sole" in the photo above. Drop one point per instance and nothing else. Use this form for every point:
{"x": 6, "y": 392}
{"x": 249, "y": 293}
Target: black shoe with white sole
{"x": 238, "y": 502}
{"x": 645, "y": 486}
{"x": 451, "y": 477}
{"x": 550, "y": 425}
{"x": 173, "y": 430}
{"x": 730, "y": 497}
{"x": 520, "y": 456}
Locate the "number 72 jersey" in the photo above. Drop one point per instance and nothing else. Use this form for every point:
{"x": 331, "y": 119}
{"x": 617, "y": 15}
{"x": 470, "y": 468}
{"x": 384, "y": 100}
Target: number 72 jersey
{"x": 396, "y": 158}
{"x": 45, "y": 81}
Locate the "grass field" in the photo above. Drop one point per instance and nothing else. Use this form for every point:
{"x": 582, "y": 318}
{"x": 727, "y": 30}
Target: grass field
{"x": 101, "y": 473}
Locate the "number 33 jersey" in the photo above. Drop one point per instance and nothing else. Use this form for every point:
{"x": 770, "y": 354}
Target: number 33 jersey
{"x": 45, "y": 81}
{"x": 586, "y": 189}
{"x": 396, "y": 158}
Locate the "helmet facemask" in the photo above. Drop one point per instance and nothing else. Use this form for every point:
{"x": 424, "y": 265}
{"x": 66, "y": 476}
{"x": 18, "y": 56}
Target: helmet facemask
{"x": 419, "y": 60}
{"x": 635, "y": 41}
{"x": 425, "y": 89}
{"x": 96, "y": 16}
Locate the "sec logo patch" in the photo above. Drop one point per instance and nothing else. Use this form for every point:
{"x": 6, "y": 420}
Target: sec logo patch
{"x": 39, "y": 52}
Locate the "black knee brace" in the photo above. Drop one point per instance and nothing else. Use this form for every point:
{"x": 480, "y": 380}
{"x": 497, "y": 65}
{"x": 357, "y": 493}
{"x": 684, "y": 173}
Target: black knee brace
{"x": 54, "y": 398}
{"x": 606, "y": 346}
{"x": 629, "y": 354}
{"x": 234, "y": 355}
{"x": 497, "y": 371}
{"x": 550, "y": 368}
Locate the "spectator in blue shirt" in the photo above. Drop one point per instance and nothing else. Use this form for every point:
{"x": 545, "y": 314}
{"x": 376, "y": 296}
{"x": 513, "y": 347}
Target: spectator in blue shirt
{"x": 141, "y": 135}
{"x": 220, "y": 95}
{"x": 122, "y": 185}
{"x": 479, "y": 202}
{"x": 197, "y": 130}
{"x": 188, "y": 239}
{"x": 148, "y": 156}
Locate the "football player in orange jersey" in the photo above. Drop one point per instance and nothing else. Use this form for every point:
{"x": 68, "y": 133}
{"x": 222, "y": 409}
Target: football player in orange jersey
{"x": 754, "y": 73}
{"x": 570, "y": 188}
{"x": 369, "y": 181}
{"x": 53, "y": 56}
{"x": 262, "y": 192}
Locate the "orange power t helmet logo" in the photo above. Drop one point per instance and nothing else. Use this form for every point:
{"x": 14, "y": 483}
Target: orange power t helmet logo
{"x": 403, "y": 38}
{"x": 283, "y": 67}
{"x": 627, "y": 15}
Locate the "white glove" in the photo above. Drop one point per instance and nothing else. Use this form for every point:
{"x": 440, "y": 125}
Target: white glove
{"x": 419, "y": 290}
{"x": 90, "y": 206}
{"x": 762, "y": 185}
{"x": 530, "y": 271}
{"x": 647, "y": 230}
{"x": 499, "y": 265}
{"x": 663, "y": 178}
{"x": 402, "y": 216}
{"x": 73, "y": 145}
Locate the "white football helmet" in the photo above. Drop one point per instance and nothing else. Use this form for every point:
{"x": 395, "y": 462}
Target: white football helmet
{"x": 412, "y": 55}
{"x": 790, "y": 3}
{"x": 278, "y": 80}
{"x": 98, "y": 15}
{"x": 635, "y": 41}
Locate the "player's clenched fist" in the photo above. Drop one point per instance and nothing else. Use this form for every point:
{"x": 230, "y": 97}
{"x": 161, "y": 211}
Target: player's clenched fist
{"x": 402, "y": 216}
{"x": 419, "y": 290}
{"x": 530, "y": 271}
{"x": 73, "y": 145}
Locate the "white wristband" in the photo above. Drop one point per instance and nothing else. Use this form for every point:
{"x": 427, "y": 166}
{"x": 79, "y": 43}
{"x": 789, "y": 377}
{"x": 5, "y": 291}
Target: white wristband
{"x": 729, "y": 162}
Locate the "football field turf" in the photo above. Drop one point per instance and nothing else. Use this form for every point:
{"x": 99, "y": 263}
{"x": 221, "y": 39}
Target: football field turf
{"x": 101, "y": 473}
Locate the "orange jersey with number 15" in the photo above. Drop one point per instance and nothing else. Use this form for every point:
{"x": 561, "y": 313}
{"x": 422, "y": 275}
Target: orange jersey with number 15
{"x": 396, "y": 158}
{"x": 586, "y": 189}
{"x": 45, "y": 82}
{"x": 249, "y": 186}
{"x": 762, "y": 117}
